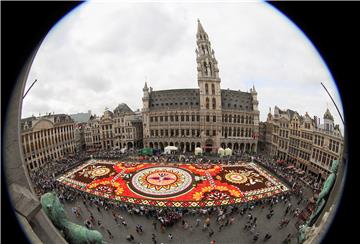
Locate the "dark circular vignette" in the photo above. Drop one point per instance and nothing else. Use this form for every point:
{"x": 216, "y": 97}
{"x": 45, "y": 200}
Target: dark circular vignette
{"x": 23, "y": 26}
{"x": 330, "y": 27}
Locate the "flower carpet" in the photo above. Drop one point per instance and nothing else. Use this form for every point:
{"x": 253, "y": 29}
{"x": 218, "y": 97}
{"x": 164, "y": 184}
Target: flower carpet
{"x": 174, "y": 184}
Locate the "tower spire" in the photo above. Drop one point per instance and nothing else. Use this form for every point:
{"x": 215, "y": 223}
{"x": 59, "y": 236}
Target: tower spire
{"x": 200, "y": 28}
{"x": 205, "y": 56}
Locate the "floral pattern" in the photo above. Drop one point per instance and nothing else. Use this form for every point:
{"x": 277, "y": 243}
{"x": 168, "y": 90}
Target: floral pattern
{"x": 210, "y": 185}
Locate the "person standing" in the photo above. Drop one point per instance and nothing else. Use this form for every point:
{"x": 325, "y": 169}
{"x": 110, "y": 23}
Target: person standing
{"x": 170, "y": 236}
{"x": 197, "y": 222}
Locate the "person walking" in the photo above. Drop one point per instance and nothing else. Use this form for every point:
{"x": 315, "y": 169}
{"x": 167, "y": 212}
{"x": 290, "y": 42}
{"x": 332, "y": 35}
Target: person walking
{"x": 220, "y": 227}
{"x": 211, "y": 232}
{"x": 110, "y": 234}
{"x": 154, "y": 224}
{"x": 124, "y": 223}
{"x": 153, "y": 238}
{"x": 267, "y": 236}
{"x": 287, "y": 239}
{"x": 256, "y": 236}
{"x": 130, "y": 237}
{"x": 99, "y": 224}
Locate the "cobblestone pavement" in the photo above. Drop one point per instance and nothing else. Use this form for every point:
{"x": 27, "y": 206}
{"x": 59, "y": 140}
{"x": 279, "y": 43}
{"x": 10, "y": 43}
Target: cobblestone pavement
{"x": 231, "y": 234}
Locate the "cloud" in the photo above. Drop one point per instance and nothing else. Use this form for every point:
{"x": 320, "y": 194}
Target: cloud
{"x": 101, "y": 54}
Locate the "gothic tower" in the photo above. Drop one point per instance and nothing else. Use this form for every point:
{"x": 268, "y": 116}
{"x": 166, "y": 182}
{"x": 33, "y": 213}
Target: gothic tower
{"x": 145, "y": 111}
{"x": 210, "y": 91}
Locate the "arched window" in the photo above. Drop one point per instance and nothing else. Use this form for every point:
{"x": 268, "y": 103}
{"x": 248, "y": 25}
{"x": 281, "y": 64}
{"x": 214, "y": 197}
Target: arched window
{"x": 226, "y": 118}
{"x": 207, "y": 103}
{"x": 242, "y": 132}
{"x": 246, "y": 120}
{"x": 214, "y": 103}
{"x": 206, "y": 88}
{"x": 213, "y": 89}
{"x": 242, "y": 119}
{"x": 230, "y": 117}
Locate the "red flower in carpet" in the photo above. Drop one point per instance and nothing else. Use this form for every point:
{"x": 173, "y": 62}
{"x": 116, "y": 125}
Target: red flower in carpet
{"x": 169, "y": 204}
{"x": 202, "y": 204}
{"x": 217, "y": 203}
{"x": 185, "y": 204}
{"x": 153, "y": 203}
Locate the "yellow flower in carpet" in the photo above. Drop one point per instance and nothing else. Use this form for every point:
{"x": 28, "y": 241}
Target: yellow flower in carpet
{"x": 119, "y": 191}
{"x": 197, "y": 196}
{"x": 206, "y": 189}
{"x": 235, "y": 193}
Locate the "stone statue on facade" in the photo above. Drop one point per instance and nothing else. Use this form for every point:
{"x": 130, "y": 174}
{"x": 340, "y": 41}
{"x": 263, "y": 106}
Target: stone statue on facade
{"x": 74, "y": 233}
{"x": 320, "y": 203}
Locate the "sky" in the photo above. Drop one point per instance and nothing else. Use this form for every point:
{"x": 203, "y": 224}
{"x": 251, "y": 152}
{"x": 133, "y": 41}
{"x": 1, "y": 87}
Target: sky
{"x": 101, "y": 54}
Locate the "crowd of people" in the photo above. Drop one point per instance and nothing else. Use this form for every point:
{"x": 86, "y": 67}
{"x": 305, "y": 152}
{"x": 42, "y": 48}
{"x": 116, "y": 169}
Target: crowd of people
{"x": 165, "y": 218}
{"x": 289, "y": 174}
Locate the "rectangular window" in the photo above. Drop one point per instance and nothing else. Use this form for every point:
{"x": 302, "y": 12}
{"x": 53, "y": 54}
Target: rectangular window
{"x": 214, "y": 118}
{"x": 207, "y": 118}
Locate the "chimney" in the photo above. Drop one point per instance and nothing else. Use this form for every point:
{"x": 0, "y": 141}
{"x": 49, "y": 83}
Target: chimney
{"x": 315, "y": 119}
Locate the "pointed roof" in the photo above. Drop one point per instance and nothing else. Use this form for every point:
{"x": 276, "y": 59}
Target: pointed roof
{"x": 200, "y": 28}
{"x": 328, "y": 115}
{"x": 122, "y": 108}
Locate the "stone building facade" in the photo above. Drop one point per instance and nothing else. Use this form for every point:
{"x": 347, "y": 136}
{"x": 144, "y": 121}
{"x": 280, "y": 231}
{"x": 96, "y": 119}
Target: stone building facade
{"x": 92, "y": 133}
{"x": 121, "y": 128}
{"x": 47, "y": 138}
{"x": 302, "y": 140}
{"x": 207, "y": 117}
{"x": 79, "y": 132}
